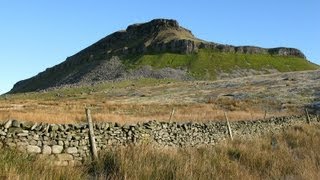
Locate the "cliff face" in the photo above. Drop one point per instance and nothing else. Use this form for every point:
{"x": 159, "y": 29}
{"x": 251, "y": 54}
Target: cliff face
{"x": 162, "y": 35}
{"x": 154, "y": 37}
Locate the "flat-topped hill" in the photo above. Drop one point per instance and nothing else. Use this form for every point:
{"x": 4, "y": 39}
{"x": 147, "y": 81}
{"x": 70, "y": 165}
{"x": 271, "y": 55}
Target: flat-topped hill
{"x": 162, "y": 48}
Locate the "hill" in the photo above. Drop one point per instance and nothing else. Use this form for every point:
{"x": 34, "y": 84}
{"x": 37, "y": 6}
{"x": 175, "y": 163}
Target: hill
{"x": 162, "y": 48}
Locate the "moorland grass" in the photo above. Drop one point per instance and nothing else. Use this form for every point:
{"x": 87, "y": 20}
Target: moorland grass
{"x": 17, "y": 165}
{"x": 291, "y": 154}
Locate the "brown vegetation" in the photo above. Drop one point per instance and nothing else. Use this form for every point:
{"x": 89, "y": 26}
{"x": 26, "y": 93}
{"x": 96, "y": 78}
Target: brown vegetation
{"x": 148, "y": 99}
{"x": 291, "y": 154}
{"x": 73, "y": 111}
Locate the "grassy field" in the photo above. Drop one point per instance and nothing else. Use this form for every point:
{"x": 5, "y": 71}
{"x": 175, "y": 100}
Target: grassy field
{"x": 291, "y": 154}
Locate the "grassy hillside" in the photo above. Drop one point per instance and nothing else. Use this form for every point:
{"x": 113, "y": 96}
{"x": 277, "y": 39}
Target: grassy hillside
{"x": 139, "y": 100}
{"x": 207, "y": 63}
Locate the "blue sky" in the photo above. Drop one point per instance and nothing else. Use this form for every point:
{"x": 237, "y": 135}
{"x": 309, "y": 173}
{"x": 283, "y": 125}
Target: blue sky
{"x": 37, "y": 34}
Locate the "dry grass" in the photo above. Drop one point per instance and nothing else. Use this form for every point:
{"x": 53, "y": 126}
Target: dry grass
{"x": 15, "y": 165}
{"x": 143, "y": 100}
{"x": 73, "y": 111}
{"x": 293, "y": 154}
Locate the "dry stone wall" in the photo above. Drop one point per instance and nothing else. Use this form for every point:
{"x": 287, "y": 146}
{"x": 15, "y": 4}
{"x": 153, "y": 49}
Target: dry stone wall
{"x": 68, "y": 144}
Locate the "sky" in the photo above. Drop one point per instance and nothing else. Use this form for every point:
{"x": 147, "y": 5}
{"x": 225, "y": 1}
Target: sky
{"x": 37, "y": 34}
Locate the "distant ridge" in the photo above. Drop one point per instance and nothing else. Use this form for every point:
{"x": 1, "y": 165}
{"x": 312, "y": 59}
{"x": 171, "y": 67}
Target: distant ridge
{"x": 162, "y": 48}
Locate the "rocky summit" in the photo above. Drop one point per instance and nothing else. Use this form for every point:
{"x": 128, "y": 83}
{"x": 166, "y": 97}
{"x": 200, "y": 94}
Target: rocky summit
{"x": 162, "y": 48}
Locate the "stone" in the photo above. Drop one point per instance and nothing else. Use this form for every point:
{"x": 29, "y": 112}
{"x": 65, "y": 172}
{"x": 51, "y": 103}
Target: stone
{"x": 34, "y": 126}
{"x": 33, "y": 149}
{"x": 33, "y": 142}
{"x": 53, "y": 142}
{"x": 53, "y": 127}
{"x": 16, "y": 123}
{"x": 14, "y": 130}
{"x": 64, "y": 157}
{"x": 46, "y": 128}
{"x": 21, "y": 148}
{"x": 8, "y": 124}
{"x": 61, "y": 128}
{"x": 39, "y": 143}
{"x": 35, "y": 137}
{"x": 22, "y": 134}
{"x": 106, "y": 126}
{"x": 46, "y": 149}
{"x": 74, "y": 143}
{"x": 26, "y": 125}
{"x": 2, "y": 133}
{"x": 25, "y": 144}
{"x": 125, "y": 127}
{"x": 56, "y": 149}
{"x": 66, "y": 127}
{"x": 69, "y": 137}
{"x": 76, "y": 137}
{"x": 72, "y": 150}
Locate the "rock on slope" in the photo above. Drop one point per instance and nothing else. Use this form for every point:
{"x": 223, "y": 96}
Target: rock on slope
{"x": 155, "y": 37}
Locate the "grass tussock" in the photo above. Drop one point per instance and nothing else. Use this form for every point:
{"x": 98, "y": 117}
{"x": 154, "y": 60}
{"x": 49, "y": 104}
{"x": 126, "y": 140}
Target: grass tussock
{"x": 293, "y": 154}
{"x": 15, "y": 165}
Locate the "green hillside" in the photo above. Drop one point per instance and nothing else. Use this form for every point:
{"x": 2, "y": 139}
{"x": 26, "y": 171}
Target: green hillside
{"x": 207, "y": 63}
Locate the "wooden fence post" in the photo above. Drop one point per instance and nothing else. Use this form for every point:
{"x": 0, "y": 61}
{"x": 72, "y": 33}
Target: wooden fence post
{"x": 307, "y": 116}
{"x": 91, "y": 135}
{"x": 171, "y": 115}
{"x": 228, "y": 124}
{"x": 265, "y": 114}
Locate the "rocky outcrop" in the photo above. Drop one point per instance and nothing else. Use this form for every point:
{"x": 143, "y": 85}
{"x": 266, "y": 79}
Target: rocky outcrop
{"x": 280, "y": 51}
{"x": 164, "y": 35}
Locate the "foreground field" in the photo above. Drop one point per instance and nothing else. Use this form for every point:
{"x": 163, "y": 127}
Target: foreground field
{"x": 291, "y": 154}
{"x": 149, "y": 99}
